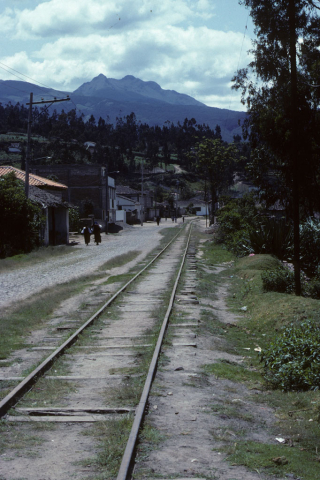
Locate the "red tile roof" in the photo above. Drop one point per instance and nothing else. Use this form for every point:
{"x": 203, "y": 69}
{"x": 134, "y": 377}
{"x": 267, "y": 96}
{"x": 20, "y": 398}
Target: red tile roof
{"x": 34, "y": 180}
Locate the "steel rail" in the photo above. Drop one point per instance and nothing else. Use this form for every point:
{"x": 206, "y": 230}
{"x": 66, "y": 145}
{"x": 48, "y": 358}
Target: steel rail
{"x": 127, "y": 460}
{"x": 12, "y": 397}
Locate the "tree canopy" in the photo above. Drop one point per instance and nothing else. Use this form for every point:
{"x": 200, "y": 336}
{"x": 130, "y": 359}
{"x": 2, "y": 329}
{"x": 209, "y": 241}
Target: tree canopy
{"x": 280, "y": 90}
{"x": 19, "y": 218}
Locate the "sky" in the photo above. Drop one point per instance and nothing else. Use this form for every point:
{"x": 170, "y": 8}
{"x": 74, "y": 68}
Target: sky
{"x": 190, "y": 46}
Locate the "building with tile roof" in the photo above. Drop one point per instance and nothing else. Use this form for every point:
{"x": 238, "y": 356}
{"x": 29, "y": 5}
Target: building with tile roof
{"x": 34, "y": 180}
{"x": 48, "y": 195}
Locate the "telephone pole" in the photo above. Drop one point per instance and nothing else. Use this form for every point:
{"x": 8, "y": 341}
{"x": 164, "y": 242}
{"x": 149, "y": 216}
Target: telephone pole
{"x": 31, "y": 103}
{"x": 294, "y": 145}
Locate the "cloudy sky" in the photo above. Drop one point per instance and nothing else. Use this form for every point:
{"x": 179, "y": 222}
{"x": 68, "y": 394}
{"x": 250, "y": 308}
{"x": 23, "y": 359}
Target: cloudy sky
{"x": 191, "y": 46}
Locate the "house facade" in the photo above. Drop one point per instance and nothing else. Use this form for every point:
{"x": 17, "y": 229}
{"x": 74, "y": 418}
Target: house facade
{"x": 86, "y": 183}
{"x": 143, "y": 203}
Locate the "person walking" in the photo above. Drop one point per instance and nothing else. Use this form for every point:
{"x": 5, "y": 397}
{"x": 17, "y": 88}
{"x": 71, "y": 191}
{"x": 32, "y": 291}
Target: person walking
{"x": 97, "y": 233}
{"x": 86, "y": 233}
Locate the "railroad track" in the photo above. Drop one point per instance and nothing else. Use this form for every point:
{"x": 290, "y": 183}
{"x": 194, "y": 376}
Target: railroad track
{"x": 119, "y": 343}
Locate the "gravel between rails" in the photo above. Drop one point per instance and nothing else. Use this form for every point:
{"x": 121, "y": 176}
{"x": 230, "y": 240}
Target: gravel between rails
{"x": 26, "y": 281}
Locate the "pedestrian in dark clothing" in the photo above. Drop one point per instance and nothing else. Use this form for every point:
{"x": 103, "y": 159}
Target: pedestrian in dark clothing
{"x": 96, "y": 232}
{"x": 86, "y": 234}
{"x": 158, "y": 220}
{"x": 182, "y": 219}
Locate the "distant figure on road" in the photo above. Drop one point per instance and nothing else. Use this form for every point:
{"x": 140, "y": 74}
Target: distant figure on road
{"x": 96, "y": 232}
{"x": 158, "y": 220}
{"x": 86, "y": 233}
{"x": 182, "y": 218}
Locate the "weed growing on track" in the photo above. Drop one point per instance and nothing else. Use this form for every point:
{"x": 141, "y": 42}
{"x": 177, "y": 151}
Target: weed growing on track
{"x": 119, "y": 260}
{"x": 12, "y": 437}
{"x": 262, "y": 319}
{"x": 47, "y": 392}
{"x": 111, "y": 437}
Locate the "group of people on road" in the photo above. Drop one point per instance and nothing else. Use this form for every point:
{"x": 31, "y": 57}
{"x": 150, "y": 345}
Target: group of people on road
{"x": 95, "y": 230}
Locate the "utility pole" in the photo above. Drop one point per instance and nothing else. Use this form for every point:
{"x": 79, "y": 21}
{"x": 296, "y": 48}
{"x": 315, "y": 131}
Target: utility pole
{"x": 294, "y": 145}
{"x": 31, "y": 103}
{"x": 142, "y": 200}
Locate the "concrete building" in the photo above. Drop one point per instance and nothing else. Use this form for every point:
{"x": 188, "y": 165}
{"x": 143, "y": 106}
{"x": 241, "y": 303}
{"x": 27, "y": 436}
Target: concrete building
{"x": 144, "y": 203}
{"x": 86, "y": 183}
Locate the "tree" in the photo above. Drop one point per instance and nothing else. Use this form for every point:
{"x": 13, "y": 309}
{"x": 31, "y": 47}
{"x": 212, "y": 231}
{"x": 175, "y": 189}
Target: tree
{"x": 282, "y": 103}
{"x": 217, "y": 160}
{"x": 19, "y": 218}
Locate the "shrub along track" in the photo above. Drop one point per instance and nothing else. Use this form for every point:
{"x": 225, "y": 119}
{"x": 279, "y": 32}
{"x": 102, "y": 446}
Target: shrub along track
{"x": 121, "y": 337}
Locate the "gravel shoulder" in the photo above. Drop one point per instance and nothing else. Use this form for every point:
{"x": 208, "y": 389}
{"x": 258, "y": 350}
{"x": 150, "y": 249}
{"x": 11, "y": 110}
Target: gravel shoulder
{"x": 26, "y": 281}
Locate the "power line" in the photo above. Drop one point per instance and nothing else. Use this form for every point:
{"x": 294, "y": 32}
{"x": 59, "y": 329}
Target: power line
{"x": 26, "y": 76}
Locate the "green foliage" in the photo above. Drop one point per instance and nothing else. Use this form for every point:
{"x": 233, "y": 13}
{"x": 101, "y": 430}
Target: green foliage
{"x": 272, "y": 236}
{"x": 19, "y": 218}
{"x": 87, "y": 207}
{"x": 279, "y": 280}
{"x": 313, "y": 288}
{"x": 74, "y": 219}
{"x": 292, "y": 360}
{"x": 310, "y": 245}
{"x": 282, "y": 150}
{"x": 236, "y": 219}
{"x": 217, "y": 159}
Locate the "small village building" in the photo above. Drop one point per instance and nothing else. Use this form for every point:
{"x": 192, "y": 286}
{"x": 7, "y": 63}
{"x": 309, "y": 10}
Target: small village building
{"x": 194, "y": 206}
{"x": 48, "y": 194}
{"x": 129, "y": 207}
{"x": 85, "y": 183}
{"x": 144, "y": 203}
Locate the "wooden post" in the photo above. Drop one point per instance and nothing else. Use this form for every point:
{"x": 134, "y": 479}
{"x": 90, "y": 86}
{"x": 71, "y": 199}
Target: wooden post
{"x": 26, "y": 183}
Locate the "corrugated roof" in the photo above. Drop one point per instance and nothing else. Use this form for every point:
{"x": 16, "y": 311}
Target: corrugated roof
{"x": 34, "y": 180}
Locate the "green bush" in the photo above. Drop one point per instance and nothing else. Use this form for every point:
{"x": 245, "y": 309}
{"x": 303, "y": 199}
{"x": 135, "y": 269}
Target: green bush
{"x": 236, "y": 219}
{"x": 312, "y": 289}
{"x": 20, "y": 219}
{"x": 310, "y": 246}
{"x": 273, "y": 236}
{"x": 74, "y": 219}
{"x": 292, "y": 360}
{"x": 279, "y": 280}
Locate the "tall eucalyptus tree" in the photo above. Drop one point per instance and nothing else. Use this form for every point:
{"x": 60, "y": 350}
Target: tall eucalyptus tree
{"x": 280, "y": 88}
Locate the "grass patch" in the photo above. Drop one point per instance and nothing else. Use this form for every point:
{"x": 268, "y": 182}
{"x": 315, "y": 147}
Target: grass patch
{"x": 277, "y": 460}
{"x": 216, "y": 254}
{"x": 48, "y": 393}
{"x": 40, "y": 255}
{"x": 119, "y": 260}
{"x": 111, "y": 437}
{"x": 228, "y": 410}
{"x": 33, "y": 313}
{"x": 13, "y": 437}
{"x": 232, "y": 371}
{"x": 127, "y": 394}
{"x": 265, "y": 316}
{"x": 149, "y": 439}
{"x": 121, "y": 279}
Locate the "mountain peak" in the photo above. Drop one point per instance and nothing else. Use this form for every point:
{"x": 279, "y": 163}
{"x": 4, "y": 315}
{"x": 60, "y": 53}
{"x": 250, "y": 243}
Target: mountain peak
{"x": 132, "y": 89}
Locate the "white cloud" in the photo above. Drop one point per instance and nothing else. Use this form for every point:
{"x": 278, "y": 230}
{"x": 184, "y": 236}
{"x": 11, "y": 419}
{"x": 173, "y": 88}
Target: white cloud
{"x": 73, "y": 16}
{"x": 76, "y": 40}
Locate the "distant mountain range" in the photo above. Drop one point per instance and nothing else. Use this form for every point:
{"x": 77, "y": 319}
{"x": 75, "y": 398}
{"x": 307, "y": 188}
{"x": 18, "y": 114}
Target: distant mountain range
{"x": 110, "y": 99}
